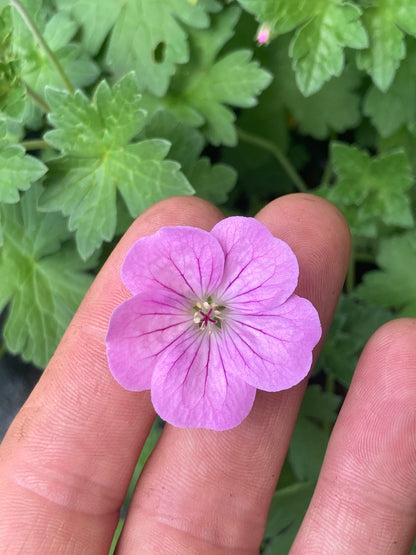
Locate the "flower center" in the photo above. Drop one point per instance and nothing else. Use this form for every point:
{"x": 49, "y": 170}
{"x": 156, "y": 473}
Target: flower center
{"x": 208, "y": 315}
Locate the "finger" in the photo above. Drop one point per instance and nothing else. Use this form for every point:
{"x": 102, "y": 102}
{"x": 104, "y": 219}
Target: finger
{"x": 204, "y": 491}
{"x": 67, "y": 460}
{"x": 365, "y": 499}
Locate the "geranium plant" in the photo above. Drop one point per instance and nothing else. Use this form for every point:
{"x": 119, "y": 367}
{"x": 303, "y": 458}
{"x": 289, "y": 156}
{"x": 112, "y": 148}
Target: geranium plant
{"x": 107, "y": 107}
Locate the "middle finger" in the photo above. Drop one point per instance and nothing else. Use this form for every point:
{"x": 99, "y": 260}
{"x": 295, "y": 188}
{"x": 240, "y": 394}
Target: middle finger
{"x": 205, "y": 490}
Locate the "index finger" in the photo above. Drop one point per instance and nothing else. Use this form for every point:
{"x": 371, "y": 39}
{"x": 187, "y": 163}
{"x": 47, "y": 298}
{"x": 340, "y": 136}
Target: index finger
{"x": 67, "y": 459}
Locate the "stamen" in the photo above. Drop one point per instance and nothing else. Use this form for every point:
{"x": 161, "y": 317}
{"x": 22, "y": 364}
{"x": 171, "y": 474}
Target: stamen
{"x": 208, "y": 314}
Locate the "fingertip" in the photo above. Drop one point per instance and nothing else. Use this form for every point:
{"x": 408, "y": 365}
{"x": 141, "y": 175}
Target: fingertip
{"x": 398, "y": 334}
{"x": 312, "y": 215}
{"x": 390, "y": 357}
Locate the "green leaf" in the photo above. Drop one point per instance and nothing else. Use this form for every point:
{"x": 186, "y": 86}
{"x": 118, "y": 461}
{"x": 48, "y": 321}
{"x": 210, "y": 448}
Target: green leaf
{"x": 310, "y": 436}
{"x": 202, "y": 91}
{"x": 352, "y": 326}
{"x": 234, "y": 80}
{"x": 318, "y": 46}
{"x": 394, "y": 285}
{"x": 396, "y": 107}
{"x": 95, "y": 17}
{"x": 148, "y": 37}
{"x": 41, "y": 277}
{"x": 286, "y": 513}
{"x": 12, "y": 91}
{"x": 35, "y": 67}
{"x": 317, "y": 49}
{"x": 17, "y": 171}
{"x": 371, "y": 189}
{"x": 320, "y": 406}
{"x": 97, "y": 160}
{"x": 401, "y": 139}
{"x": 281, "y": 15}
{"x": 212, "y": 182}
{"x": 336, "y": 107}
{"x": 387, "y": 21}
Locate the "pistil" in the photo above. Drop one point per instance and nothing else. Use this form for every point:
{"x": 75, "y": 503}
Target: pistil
{"x": 207, "y": 315}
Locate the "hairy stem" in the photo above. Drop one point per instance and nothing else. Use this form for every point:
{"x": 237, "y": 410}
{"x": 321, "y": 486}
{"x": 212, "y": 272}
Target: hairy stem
{"x": 326, "y": 176}
{"x": 34, "y": 144}
{"x": 278, "y": 154}
{"x": 24, "y": 14}
{"x": 350, "y": 281}
{"x": 37, "y": 99}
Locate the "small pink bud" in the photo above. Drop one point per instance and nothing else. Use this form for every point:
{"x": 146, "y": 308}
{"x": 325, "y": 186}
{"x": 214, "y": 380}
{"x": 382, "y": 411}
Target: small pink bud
{"x": 263, "y": 34}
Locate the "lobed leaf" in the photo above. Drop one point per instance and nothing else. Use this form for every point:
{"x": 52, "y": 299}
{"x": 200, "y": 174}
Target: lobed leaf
{"x": 212, "y": 182}
{"x": 396, "y": 107}
{"x": 17, "y": 171}
{"x": 353, "y": 324}
{"x": 393, "y": 286}
{"x": 336, "y": 107}
{"x": 371, "y": 190}
{"x": 148, "y": 37}
{"x": 324, "y": 29}
{"x": 318, "y": 46}
{"x": 386, "y": 22}
{"x": 42, "y": 278}
{"x": 35, "y": 67}
{"x": 232, "y": 80}
{"x": 98, "y": 160}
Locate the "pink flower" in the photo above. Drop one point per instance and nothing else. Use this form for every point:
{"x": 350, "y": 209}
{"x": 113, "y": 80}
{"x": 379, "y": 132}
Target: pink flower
{"x": 213, "y": 317}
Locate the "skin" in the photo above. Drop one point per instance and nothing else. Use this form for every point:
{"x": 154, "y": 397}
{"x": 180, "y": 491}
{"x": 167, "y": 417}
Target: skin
{"x": 67, "y": 459}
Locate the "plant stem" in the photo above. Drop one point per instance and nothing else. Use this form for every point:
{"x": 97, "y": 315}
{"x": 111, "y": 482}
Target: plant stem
{"x": 24, "y": 14}
{"x": 35, "y": 144}
{"x": 38, "y": 100}
{"x": 329, "y": 383}
{"x": 278, "y": 154}
{"x": 326, "y": 176}
{"x": 350, "y": 281}
{"x": 2, "y": 350}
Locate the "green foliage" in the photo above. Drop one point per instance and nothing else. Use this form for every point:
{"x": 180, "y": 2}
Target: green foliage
{"x": 393, "y": 286}
{"x": 11, "y": 88}
{"x": 107, "y": 107}
{"x": 310, "y": 436}
{"x": 212, "y": 182}
{"x": 324, "y": 30}
{"x": 17, "y": 172}
{"x": 307, "y": 449}
{"x": 352, "y": 326}
{"x": 386, "y": 22}
{"x": 36, "y": 69}
{"x": 99, "y": 159}
{"x": 287, "y": 510}
{"x": 147, "y": 37}
{"x": 202, "y": 89}
{"x": 336, "y": 107}
{"x": 373, "y": 191}
{"x": 41, "y": 276}
{"x": 390, "y": 110}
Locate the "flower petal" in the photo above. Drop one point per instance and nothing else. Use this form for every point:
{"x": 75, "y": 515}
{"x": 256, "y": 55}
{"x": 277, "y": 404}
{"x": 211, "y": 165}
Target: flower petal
{"x": 273, "y": 351}
{"x": 190, "y": 387}
{"x": 140, "y": 329}
{"x": 186, "y": 260}
{"x": 258, "y": 267}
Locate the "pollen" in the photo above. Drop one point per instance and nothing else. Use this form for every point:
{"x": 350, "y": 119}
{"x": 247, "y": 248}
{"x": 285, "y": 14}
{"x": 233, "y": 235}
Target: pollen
{"x": 208, "y": 315}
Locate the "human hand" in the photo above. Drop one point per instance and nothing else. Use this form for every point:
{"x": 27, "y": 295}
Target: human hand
{"x": 67, "y": 459}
